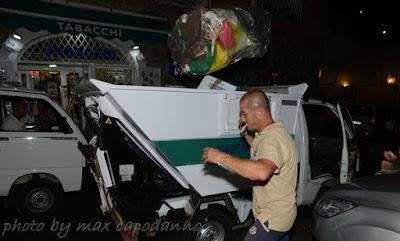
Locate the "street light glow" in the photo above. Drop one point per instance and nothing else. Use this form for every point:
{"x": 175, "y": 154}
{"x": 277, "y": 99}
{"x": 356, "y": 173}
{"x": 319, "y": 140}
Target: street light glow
{"x": 345, "y": 83}
{"x": 391, "y": 79}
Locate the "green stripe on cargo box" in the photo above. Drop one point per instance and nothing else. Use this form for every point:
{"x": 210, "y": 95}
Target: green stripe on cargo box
{"x": 188, "y": 152}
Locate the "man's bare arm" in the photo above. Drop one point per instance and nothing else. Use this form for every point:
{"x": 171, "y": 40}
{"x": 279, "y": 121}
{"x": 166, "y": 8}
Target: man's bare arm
{"x": 256, "y": 170}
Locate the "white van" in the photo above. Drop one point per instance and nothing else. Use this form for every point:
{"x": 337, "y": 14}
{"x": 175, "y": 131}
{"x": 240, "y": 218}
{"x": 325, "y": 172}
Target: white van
{"x": 39, "y": 160}
{"x": 150, "y": 141}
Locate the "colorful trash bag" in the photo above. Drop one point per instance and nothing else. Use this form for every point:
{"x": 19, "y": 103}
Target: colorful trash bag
{"x": 206, "y": 40}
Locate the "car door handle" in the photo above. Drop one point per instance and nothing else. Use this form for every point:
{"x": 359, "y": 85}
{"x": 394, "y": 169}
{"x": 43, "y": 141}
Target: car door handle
{"x": 4, "y": 139}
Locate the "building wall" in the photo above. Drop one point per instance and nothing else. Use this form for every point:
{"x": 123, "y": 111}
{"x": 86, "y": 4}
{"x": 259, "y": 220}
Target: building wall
{"x": 363, "y": 65}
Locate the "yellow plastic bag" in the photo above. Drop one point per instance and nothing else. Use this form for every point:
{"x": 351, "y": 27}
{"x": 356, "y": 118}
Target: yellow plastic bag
{"x": 221, "y": 58}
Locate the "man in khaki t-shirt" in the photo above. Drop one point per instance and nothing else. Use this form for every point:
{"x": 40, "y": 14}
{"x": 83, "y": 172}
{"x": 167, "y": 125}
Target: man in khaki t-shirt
{"x": 273, "y": 162}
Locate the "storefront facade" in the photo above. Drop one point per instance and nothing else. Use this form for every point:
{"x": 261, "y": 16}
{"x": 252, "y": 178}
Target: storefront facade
{"x": 51, "y": 46}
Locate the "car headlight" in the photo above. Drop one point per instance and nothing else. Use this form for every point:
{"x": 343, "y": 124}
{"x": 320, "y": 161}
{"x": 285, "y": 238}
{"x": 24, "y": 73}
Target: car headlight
{"x": 331, "y": 207}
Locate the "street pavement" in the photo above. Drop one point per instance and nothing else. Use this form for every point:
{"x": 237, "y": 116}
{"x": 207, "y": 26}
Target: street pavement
{"x": 80, "y": 218}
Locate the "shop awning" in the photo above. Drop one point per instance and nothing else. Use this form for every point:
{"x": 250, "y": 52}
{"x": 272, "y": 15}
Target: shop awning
{"x": 55, "y": 18}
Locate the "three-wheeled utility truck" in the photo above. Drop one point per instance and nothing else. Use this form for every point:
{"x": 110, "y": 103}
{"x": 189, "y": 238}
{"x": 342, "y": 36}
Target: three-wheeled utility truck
{"x": 149, "y": 143}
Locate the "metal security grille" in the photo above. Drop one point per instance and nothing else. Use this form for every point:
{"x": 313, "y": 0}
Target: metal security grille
{"x": 114, "y": 76}
{"x": 74, "y": 49}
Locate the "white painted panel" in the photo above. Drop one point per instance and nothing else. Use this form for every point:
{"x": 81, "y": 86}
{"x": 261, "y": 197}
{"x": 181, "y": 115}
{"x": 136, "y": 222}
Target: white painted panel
{"x": 173, "y": 115}
{"x": 40, "y": 152}
{"x": 288, "y": 116}
{"x": 212, "y": 179}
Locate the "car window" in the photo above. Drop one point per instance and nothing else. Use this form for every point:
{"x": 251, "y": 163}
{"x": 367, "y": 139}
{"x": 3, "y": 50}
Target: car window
{"x": 322, "y": 121}
{"x": 29, "y": 115}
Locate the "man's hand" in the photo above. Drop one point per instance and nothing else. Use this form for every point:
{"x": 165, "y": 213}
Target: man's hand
{"x": 213, "y": 155}
{"x": 245, "y": 133}
{"x": 389, "y": 156}
{"x": 242, "y": 127}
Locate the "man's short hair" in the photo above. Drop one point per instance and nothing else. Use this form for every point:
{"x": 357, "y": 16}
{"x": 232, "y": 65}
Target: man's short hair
{"x": 257, "y": 99}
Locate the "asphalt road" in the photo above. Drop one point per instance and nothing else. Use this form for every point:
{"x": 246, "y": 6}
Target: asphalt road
{"x": 80, "y": 218}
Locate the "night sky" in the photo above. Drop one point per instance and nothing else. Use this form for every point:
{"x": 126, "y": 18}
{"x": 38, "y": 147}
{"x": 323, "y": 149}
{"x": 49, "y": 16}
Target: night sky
{"x": 373, "y": 20}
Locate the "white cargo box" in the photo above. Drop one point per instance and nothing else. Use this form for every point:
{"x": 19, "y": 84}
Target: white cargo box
{"x": 181, "y": 122}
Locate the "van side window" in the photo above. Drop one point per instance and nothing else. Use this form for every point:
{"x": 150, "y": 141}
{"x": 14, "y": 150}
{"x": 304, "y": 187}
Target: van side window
{"x": 325, "y": 140}
{"x": 21, "y": 114}
{"x": 321, "y": 121}
{"x": 16, "y": 112}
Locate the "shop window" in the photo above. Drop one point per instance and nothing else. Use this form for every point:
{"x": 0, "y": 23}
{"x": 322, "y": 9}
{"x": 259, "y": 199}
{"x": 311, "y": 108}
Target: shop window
{"x": 47, "y": 81}
{"x": 30, "y": 115}
{"x": 111, "y": 64}
{"x": 114, "y": 76}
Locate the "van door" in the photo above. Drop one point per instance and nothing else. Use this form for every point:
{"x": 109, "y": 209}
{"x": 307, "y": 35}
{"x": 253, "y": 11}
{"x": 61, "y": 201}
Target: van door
{"x": 350, "y": 159}
{"x": 344, "y": 163}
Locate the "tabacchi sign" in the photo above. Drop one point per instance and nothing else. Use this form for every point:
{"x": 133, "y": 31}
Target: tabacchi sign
{"x": 89, "y": 29}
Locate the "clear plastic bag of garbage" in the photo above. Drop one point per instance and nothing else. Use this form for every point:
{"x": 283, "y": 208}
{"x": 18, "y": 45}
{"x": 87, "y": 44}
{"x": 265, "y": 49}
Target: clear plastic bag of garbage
{"x": 206, "y": 40}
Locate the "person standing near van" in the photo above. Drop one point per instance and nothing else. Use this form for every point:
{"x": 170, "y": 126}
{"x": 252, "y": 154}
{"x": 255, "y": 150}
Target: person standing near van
{"x": 273, "y": 165}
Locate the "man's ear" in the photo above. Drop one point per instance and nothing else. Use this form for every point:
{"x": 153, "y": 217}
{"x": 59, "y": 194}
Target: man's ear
{"x": 259, "y": 112}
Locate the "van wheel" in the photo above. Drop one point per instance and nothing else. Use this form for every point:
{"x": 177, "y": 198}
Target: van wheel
{"x": 210, "y": 225}
{"x": 38, "y": 198}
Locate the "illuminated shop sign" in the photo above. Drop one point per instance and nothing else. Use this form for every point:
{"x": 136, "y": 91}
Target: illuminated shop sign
{"x": 89, "y": 29}
{"x": 34, "y": 73}
{"x": 53, "y": 50}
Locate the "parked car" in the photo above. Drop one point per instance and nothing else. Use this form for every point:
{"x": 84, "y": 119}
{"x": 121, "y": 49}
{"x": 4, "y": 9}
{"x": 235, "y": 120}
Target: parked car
{"x": 150, "y": 139}
{"x": 39, "y": 154}
{"x": 368, "y": 209}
